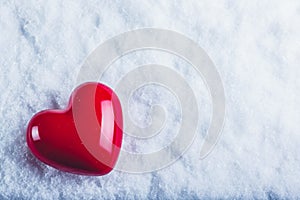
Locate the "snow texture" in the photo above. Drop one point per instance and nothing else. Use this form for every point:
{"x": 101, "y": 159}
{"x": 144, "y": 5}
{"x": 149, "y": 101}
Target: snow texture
{"x": 255, "y": 46}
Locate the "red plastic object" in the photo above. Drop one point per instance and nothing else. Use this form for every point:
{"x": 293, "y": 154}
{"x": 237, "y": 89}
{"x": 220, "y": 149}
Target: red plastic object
{"x": 85, "y": 138}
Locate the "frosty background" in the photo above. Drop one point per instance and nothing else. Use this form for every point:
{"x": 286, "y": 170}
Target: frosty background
{"x": 255, "y": 45}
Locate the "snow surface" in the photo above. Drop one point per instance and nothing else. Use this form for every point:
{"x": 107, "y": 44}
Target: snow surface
{"x": 255, "y": 45}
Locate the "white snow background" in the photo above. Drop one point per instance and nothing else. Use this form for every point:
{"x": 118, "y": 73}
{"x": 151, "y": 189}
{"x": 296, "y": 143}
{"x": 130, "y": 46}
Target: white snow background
{"x": 255, "y": 46}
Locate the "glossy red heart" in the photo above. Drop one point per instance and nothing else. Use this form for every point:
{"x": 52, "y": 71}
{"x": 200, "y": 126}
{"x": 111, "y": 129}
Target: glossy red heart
{"x": 85, "y": 138}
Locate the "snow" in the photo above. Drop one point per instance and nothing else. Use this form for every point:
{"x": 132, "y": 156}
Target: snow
{"x": 255, "y": 46}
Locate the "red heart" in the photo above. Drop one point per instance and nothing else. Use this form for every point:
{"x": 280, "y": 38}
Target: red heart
{"x": 85, "y": 138}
